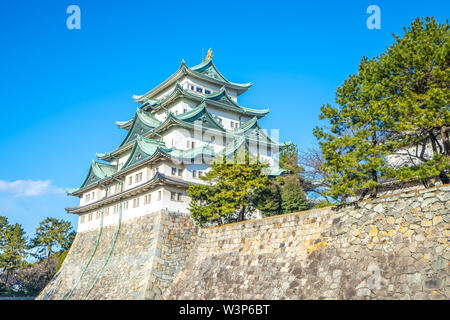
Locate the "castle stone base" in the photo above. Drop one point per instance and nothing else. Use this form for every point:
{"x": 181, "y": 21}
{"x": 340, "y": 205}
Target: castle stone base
{"x": 148, "y": 253}
{"x": 394, "y": 247}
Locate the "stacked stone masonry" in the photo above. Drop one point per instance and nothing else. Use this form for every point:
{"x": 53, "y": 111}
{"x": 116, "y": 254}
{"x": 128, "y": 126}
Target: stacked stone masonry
{"x": 393, "y": 247}
{"x": 148, "y": 252}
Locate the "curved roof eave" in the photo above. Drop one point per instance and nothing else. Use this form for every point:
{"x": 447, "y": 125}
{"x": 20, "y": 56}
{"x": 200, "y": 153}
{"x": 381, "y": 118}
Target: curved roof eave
{"x": 184, "y": 70}
{"x": 210, "y": 64}
{"x": 209, "y": 99}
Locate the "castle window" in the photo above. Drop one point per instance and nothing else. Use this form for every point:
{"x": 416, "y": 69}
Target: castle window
{"x": 220, "y": 120}
{"x": 136, "y": 203}
{"x": 97, "y": 214}
{"x": 138, "y": 177}
{"x": 130, "y": 180}
{"x": 125, "y": 205}
{"x": 82, "y": 219}
{"x": 179, "y": 196}
{"x": 194, "y": 173}
{"x": 106, "y": 211}
{"x": 207, "y": 91}
{"x": 115, "y": 208}
{"x": 147, "y": 199}
{"x": 173, "y": 195}
{"x": 88, "y": 197}
{"x": 184, "y": 110}
{"x": 138, "y": 157}
{"x": 232, "y": 124}
{"x": 159, "y": 195}
{"x": 174, "y": 171}
{"x": 192, "y": 144}
{"x": 180, "y": 172}
{"x": 116, "y": 188}
{"x": 199, "y": 90}
{"x": 93, "y": 195}
{"x": 192, "y": 88}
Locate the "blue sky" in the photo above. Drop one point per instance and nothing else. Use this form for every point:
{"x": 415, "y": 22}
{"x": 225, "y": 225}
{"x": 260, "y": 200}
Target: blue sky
{"x": 62, "y": 90}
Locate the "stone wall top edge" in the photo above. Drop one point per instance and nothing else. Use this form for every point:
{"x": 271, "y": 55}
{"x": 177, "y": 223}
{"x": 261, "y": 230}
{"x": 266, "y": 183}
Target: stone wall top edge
{"x": 134, "y": 219}
{"x": 322, "y": 210}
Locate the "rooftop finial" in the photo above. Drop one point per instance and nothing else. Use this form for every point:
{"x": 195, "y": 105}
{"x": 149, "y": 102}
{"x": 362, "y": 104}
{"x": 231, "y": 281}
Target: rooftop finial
{"x": 209, "y": 55}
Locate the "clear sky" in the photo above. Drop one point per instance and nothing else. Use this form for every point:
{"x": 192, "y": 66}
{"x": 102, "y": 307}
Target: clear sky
{"x": 62, "y": 90}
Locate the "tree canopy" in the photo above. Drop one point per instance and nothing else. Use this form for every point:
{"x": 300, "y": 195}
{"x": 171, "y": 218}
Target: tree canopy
{"x": 229, "y": 192}
{"x": 52, "y": 234}
{"x": 12, "y": 246}
{"x": 395, "y": 103}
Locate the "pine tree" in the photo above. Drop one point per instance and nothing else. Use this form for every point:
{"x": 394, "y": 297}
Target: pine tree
{"x": 3, "y": 228}
{"x": 51, "y": 235}
{"x": 395, "y": 102}
{"x": 13, "y": 249}
{"x": 293, "y": 198}
{"x": 416, "y": 70}
{"x": 291, "y": 183}
{"x": 356, "y": 145}
{"x": 268, "y": 199}
{"x": 229, "y": 193}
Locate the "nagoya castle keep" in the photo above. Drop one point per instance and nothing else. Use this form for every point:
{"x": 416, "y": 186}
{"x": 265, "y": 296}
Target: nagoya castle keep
{"x": 179, "y": 127}
{"x": 134, "y": 225}
{"x": 136, "y": 238}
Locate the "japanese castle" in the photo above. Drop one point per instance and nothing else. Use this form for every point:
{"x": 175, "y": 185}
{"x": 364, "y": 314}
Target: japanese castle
{"x": 179, "y": 127}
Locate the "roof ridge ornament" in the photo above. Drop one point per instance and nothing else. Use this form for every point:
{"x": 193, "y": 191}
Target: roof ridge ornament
{"x": 209, "y": 55}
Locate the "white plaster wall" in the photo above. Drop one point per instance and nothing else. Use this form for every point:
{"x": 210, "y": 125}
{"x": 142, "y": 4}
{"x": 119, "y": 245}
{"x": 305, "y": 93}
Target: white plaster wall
{"x": 175, "y": 205}
{"x": 113, "y": 218}
{"x": 228, "y": 116}
{"x": 92, "y": 191}
{"x": 123, "y": 158}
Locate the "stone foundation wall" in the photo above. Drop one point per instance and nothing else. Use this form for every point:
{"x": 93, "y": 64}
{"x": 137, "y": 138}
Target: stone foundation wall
{"x": 394, "y": 247}
{"x": 148, "y": 253}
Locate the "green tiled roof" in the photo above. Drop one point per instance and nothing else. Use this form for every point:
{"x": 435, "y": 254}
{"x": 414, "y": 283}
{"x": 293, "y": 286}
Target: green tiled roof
{"x": 252, "y": 130}
{"x": 219, "y": 99}
{"x": 201, "y": 113}
{"x": 189, "y": 119}
{"x": 146, "y": 149}
{"x": 273, "y": 171}
{"x": 204, "y": 71}
{"x": 142, "y": 123}
{"x": 97, "y": 172}
{"x": 207, "y": 68}
{"x": 145, "y": 117}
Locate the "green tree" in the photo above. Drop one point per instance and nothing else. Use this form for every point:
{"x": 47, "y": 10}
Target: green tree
{"x": 289, "y": 159}
{"x": 293, "y": 198}
{"x": 416, "y": 71}
{"x": 51, "y": 235}
{"x": 13, "y": 249}
{"x": 286, "y": 193}
{"x": 395, "y": 101}
{"x": 292, "y": 184}
{"x": 230, "y": 190}
{"x": 268, "y": 199}
{"x": 355, "y": 145}
{"x": 3, "y": 228}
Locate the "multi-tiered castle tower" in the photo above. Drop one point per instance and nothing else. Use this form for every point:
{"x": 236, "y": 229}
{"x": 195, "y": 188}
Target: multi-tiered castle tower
{"x": 179, "y": 127}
